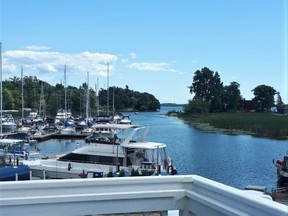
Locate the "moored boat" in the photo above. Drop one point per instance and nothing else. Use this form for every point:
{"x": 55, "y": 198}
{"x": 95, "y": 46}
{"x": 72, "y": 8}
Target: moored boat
{"x": 104, "y": 157}
{"x": 125, "y": 120}
{"x": 8, "y": 123}
{"x": 282, "y": 170}
{"x": 9, "y": 173}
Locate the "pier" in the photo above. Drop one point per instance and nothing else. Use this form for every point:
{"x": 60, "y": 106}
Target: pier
{"x": 183, "y": 195}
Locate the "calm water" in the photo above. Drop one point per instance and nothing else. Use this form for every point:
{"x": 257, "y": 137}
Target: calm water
{"x": 233, "y": 160}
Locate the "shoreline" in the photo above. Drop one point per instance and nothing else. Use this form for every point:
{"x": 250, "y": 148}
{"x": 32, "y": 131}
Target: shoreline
{"x": 233, "y": 132}
{"x": 238, "y": 124}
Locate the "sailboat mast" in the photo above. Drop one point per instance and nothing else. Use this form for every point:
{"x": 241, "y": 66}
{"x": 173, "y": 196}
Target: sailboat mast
{"x": 65, "y": 99}
{"x": 42, "y": 102}
{"x": 108, "y": 88}
{"x": 1, "y": 100}
{"x": 22, "y": 94}
{"x": 113, "y": 109}
{"x": 97, "y": 96}
{"x": 87, "y": 99}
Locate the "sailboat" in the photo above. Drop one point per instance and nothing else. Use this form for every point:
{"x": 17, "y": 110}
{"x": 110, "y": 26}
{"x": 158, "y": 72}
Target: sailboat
{"x": 87, "y": 129}
{"x": 69, "y": 125}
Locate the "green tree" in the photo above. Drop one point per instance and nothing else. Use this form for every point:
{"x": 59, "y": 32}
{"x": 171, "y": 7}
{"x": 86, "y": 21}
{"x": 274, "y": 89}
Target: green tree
{"x": 76, "y": 97}
{"x": 8, "y": 100}
{"x": 232, "y": 96}
{"x": 263, "y": 97}
{"x": 208, "y": 86}
{"x": 279, "y": 102}
{"x": 196, "y": 105}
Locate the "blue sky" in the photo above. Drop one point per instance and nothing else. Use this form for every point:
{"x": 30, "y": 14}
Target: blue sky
{"x": 151, "y": 46}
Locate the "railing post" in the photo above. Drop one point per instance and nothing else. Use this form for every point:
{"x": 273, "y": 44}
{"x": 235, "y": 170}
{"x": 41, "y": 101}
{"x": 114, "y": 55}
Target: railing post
{"x": 16, "y": 177}
{"x": 44, "y": 174}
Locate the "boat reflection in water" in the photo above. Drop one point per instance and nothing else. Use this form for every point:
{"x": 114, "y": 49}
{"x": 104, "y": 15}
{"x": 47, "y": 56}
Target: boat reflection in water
{"x": 125, "y": 152}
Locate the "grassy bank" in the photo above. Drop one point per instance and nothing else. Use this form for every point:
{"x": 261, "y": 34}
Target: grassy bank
{"x": 266, "y": 125}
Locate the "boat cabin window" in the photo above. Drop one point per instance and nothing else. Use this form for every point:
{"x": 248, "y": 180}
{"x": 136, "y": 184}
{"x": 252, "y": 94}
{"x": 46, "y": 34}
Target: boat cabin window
{"x": 80, "y": 158}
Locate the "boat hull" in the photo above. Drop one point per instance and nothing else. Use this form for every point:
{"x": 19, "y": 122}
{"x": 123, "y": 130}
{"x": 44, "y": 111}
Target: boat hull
{"x": 9, "y": 173}
{"x": 66, "y": 170}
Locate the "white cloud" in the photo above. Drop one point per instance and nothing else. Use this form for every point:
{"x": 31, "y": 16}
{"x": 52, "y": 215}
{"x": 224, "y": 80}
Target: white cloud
{"x": 34, "y": 47}
{"x": 50, "y": 65}
{"x": 133, "y": 55}
{"x": 151, "y": 66}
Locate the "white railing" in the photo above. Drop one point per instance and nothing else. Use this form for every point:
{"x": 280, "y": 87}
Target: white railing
{"x": 191, "y": 195}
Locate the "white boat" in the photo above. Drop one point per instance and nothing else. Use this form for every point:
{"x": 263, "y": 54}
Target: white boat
{"x": 23, "y": 135}
{"x": 13, "y": 147}
{"x": 99, "y": 159}
{"x": 67, "y": 131}
{"x": 69, "y": 128}
{"x": 62, "y": 115}
{"x": 8, "y": 123}
{"x": 125, "y": 120}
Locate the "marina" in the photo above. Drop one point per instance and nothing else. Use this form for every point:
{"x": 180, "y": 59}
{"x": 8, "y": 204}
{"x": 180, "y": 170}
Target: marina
{"x": 163, "y": 129}
{"x": 125, "y": 108}
{"x": 186, "y": 146}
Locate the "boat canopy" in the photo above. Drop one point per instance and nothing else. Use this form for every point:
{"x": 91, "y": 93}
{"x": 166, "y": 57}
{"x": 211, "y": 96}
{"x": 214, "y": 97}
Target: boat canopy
{"x": 144, "y": 145}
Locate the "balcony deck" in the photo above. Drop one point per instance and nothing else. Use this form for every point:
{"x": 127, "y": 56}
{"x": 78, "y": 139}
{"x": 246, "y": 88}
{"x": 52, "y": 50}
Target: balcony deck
{"x": 188, "y": 195}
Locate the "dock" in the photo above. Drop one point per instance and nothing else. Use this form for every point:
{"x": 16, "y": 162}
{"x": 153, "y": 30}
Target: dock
{"x": 57, "y": 135}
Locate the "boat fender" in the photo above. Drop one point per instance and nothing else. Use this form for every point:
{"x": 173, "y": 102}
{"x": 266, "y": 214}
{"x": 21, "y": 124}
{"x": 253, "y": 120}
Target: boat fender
{"x": 69, "y": 166}
{"x": 170, "y": 170}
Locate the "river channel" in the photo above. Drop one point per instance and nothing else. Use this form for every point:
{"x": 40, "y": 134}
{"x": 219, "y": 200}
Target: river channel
{"x": 237, "y": 161}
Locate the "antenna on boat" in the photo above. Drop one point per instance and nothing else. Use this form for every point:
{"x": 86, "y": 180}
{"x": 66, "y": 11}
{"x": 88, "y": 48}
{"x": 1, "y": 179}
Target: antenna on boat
{"x": 1, "y": 100}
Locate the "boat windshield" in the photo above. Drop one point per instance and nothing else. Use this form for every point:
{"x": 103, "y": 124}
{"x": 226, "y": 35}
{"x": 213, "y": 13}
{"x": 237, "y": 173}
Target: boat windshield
{"x": 140, "y": 156}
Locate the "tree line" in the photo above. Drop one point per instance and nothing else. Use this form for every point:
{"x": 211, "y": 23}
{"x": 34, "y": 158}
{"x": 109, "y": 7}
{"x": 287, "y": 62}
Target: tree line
{"x": 210, "y": 95}
{"x": 48, "y": 99}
